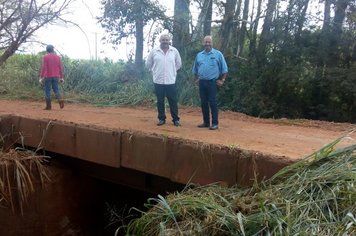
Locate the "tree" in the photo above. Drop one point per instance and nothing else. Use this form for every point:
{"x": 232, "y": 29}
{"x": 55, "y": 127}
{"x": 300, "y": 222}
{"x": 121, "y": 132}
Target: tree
{"x": 241, "y": 37}
{"x": 227, "y": 24}
{"x": 20, "y": 19}
{"x": 203, "y": 26}
{"x": 330, "y": 37}
{"x": 181, "y": 24}
{"x": 139, "y": 34}
{"x": 254, "y": 28}
{"x": 124, "y": 18}
{"x": 265, "y": 38}
{"x": 336, "y": 29}
{"x": 208, "y": 18}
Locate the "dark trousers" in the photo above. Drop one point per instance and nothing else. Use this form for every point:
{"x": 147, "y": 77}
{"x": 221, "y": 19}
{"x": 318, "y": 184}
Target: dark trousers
{"x": 169, "y": 91}
{"x": 208, "y": 91}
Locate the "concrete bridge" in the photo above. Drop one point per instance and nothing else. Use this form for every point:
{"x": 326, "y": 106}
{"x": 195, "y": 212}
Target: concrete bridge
{"x": 150, "y": 162}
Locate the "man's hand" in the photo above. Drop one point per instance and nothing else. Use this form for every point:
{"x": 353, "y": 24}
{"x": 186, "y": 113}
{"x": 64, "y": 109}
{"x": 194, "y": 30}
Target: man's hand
{"x": 40, "y": 80}
{"x": 61, "y": 80}
{"x": 220, "y": 82}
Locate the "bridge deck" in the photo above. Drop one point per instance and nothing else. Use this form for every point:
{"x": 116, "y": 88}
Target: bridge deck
{"x": 127, "y": 139}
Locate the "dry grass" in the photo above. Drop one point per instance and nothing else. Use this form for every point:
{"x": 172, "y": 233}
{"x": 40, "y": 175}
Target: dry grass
{"x": 20, "y": 169}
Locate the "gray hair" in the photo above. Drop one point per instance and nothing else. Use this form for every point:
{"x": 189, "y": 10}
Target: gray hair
{"x": 164, "y": 36}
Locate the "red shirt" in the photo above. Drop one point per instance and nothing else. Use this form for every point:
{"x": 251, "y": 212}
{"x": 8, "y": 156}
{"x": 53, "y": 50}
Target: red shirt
{"x": 51, "y": 66}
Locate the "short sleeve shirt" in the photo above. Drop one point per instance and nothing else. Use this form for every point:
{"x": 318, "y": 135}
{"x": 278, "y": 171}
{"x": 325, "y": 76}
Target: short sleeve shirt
{"x": 209, "y": 65}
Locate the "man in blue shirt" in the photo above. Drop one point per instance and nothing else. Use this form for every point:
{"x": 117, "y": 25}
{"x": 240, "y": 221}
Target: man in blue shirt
{"x": 210, "y": 69}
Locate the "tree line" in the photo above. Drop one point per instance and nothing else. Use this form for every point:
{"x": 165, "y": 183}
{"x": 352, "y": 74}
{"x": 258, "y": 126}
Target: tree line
{"x": 287, "y": 58}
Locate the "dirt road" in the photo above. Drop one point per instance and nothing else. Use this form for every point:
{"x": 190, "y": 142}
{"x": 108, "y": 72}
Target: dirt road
{"x": 282, "y": 137}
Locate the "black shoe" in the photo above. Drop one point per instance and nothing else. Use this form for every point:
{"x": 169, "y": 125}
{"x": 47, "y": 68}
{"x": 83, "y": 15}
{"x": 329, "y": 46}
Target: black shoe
{"x": 214, "y": 127}
{"x": 161, "y": 122}
{"x": 203, "y": 125}
{"x": 176, "y": 123}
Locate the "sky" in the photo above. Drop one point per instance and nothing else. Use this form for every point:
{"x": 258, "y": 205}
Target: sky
{"x": 86, "y": 43}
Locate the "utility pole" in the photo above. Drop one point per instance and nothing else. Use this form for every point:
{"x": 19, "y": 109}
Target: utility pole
{"x": 96, "y": 46}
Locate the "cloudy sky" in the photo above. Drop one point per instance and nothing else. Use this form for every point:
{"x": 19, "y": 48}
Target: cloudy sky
{"x": 86, "y": 44}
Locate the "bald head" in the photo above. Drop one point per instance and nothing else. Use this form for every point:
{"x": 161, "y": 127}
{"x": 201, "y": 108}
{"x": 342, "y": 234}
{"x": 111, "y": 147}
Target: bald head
{"x": 208, "y": 43}
{"x": 208, "y": 37}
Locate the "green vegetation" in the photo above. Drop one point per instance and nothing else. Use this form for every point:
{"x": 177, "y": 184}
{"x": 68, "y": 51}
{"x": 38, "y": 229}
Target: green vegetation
{"x": 294, "y": 92}
{"x": 102, "y": 83}
{"x": 315, "y": 196}
{"x": 290, "y": 60}
{"x": 96, "y": 82}
{"x": 294, "y": 59}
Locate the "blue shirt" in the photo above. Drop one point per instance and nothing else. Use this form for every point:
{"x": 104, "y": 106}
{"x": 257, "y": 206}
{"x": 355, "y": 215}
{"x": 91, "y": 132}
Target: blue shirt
{"x": 209, "y": 65}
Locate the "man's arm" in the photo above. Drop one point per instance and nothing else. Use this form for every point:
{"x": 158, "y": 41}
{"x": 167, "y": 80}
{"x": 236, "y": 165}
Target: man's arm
{"x": 221, "y": 80}
{"x": 61, "y": 73}
{"x": 223, "y": 66}
{"x": 195, "y": 67}
{"x": 43, "y": 71}
{"x": 195, "y": 70}
{"x": 178, "y": 60}
{"x": 223, "y": 70}
{"x": 223, "y": 77}
{"x": 149, "y": 61}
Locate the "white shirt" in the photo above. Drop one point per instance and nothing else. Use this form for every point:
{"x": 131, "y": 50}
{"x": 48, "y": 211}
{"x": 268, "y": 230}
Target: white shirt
{"x": 164, "y": 66}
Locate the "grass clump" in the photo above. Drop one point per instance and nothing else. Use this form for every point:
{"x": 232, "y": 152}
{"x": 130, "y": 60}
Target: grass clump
{"x": 20, "y": 169}
{"x": 315, "y": 196}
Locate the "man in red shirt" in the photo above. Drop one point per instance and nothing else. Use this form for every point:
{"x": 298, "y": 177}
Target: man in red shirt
{"x": 51, "y": 73}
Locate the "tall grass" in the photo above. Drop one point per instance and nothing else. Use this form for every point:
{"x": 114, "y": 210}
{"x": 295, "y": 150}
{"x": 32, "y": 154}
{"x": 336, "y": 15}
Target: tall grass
{"x": 101, "y": 82}
{"x": 315, "y": 196}
{"x": 20, "y": 171}
{"x": 19, "y": 78}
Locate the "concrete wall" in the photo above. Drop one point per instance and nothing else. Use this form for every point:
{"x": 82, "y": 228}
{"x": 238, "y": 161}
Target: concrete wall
{"x": 181, "y": 161}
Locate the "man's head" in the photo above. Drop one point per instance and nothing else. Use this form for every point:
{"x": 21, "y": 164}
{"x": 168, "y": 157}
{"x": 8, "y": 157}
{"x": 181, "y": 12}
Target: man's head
{"x": 208, "y": 43}
{"x": 50, "y": 48}
{"x": 164, "y": 40}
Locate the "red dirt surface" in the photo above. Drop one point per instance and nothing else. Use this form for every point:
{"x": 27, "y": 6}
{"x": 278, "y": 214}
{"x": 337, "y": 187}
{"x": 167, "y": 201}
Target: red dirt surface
{"x": 289, "y": 138}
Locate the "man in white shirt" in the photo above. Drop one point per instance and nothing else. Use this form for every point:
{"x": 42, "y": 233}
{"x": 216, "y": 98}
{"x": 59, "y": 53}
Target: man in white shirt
{"x": 163, "y": 62}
